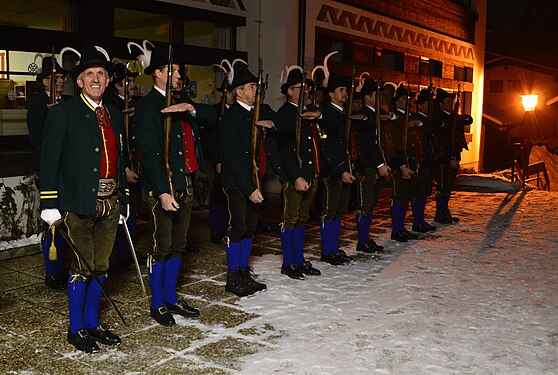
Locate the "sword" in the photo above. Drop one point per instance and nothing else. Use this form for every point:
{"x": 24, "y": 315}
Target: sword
{"x": 63, "y": 231}
{"x": 133, "y": 250}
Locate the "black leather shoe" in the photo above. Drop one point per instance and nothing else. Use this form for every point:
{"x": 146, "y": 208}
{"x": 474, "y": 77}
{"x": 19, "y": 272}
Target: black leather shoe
{"x": 410, "y": 235}
{"x": 56, "y": 282}
{"x": 182, "y": 308}
{"x": 454, "y": 219}
{"x": 162, "y": 316}
{"x": 399, "y": 237}
{"x": 82, "y": 341}
{"x": 442, "y": 218}
{"x": 421, "y": 228}
{"x": 332, "y": 259}
{"x": 307, "y": 269}
{"x": 344, "y": 257}
{"x": 103, "y": 335}
{"x": 249, "y": 277}
{"x": 370, "y": 247}
{"x": 237, "y": 285}
{"x": 293, "y": 272}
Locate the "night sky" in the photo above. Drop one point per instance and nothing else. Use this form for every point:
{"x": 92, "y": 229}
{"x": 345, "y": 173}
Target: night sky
{"x": 526, "y": 29}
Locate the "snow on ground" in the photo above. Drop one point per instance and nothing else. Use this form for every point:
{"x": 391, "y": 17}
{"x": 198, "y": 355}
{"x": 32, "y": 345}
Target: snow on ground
{"x": 478, "y": 297}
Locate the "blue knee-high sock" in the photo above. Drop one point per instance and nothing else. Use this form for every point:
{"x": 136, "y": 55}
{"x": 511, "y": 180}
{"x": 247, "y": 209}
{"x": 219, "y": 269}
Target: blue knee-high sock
{"x": 233, "y": 256}
{"x": 419, "y": 204}
{"x": 77, "y": 291}
{"x": 441, "y": 204}
{"x": 325, "y": 228}
{"x": 363, "y": 226}
{"x": 61, "y": 247}
{"x": 50, "y": 266}
{"x": 396, "y": 222}
{"x": 156, "y": 278}
{"x": 334, "y": 235}
{"x": 214, "y": 217}
{"x": 92, "y": 303}
{"x": 172, "y": 269}
{"x": 446, "y": 201}
{"x": 245, "y": 247}
{"x": 298, "y": 243}
{"x": 287, "y": 242}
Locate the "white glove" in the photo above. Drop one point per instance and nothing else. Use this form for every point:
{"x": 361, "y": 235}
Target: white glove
{"x": 50, "y": 215}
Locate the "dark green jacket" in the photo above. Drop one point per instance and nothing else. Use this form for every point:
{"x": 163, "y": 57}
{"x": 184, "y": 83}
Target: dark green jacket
{"x": 148, "y": 123}
{"x": 71, "y": 157}
{"x": 234, "y": 139}
{"x": 285, "y": 137}
{"x": 333, "y": 152}
{"x": 366, "y": 135}
{"x": 37, "y": 113}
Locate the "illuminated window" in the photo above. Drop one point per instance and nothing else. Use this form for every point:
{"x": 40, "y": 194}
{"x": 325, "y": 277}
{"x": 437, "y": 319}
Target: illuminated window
{"x": 134, "y": 24}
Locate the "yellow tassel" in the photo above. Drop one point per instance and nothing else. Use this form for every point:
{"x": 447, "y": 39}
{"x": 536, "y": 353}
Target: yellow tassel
{"x": 52, "y": 249}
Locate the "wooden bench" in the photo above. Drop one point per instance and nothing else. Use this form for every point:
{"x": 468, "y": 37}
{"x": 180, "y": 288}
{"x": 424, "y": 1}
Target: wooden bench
{"x": 529, "y": 172}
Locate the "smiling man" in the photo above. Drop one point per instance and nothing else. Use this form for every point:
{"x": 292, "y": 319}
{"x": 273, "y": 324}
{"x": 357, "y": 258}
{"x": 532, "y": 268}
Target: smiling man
{"x": 83, "y": 183}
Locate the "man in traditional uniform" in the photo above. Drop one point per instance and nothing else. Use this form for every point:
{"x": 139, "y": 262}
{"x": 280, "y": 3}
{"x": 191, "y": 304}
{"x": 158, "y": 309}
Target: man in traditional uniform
{"x": 371, "y": 166}
{"x": 244, "y": 198}
{"x": 170, "y": 214}
{"x": 302, "y": 168}
{"x": 56, "y": 275}
{"x": 218, "y": 214}
{"x": 425, "y": 142}
{"x": 335, "y": 173}
{"x": 83, "y": 183}
{"x": 403, "y": 180}
{"x": 116, "y": 95}
{"x": 452, "y": 141}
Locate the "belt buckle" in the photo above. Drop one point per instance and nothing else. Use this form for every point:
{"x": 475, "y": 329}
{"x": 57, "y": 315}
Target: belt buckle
{"x": 107, "y": 186}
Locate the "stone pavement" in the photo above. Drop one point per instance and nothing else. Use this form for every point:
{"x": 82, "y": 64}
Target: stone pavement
{"x": 33, "y": 319}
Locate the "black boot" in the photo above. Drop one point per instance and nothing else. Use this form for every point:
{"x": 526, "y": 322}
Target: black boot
{"x": 249, "y": 276}
{"x": 237, "y": 285}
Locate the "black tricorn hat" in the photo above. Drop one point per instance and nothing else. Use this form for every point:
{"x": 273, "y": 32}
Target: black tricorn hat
{"x": 335, "y": 80}
{"x": 441, "y": 94}
{"x": 369, "y": 86}
{"x": 159, "y": 58}
{"x": 224, "y": 86}
{"x": 294, "y": 78}
{"x": 423, "y": 96}
{"x": 241, "y": 75}
{"x": 402, "y": 91}
{"x": 91, "y": 56}
{"x": 46, "y": 69}
{"x": 120, "y": 72}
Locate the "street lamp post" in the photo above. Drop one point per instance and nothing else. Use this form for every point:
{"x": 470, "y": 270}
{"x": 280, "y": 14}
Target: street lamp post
{"x": 529, "y": 105}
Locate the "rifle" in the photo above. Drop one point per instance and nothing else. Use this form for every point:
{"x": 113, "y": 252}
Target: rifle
{"x": 430, "y": 101}
{"x": 167, "y": 126}
{"x": 127, "y": 117}
{"x": 255, "y": 136}
{"x": 455, "y": 113}
{"x": 407, "y": 113}
{"x": 298, "y": 120}
{"x": 53, "y": 80}
{"x": 347, "y": 138}
{"x": 378, "y": 120}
